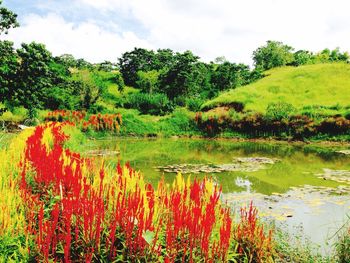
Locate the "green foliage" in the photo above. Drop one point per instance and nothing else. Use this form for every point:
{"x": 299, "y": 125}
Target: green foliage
{"x": 14, "y": 114}
{"x": 67, "y": 60}
{"x": 88, "y": 86}
{"x": 134, "y": 61}
{"x": 186, "y": 77}
{"x": 118, "y": 79}
{"x": 106, "y": 66}
{"x": 8, "y": 19}
{"x": 296, "y": 248}
{"x": 302, "y": 57}
{"x": 8, "y": 69}
{"x": 194, "y": 103}
{"x": 178, "y": 123}
{"x": 136, "y": 125}
{"x": 230, "y": 75}
{"x": 328, "y": 55}
{"x": 279, "y": 110}
{"x": 34, "y": 75}
{"x": 13, "y": 249}
{"x": 273, "y": 54}
{"x": 147, "y": 82}
{"x": 155, "y": 104}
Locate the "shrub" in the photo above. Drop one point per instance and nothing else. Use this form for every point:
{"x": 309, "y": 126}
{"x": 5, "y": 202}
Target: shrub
{"x": 278, "y": 111}
{"x": 194, "y": 103}
{"x": 179, "y": 122}
{"x": 154, "y": 104}
{"x": 347, "y": 115}
{"x": 234, "y": 115}
{"x": 334, "y": 125}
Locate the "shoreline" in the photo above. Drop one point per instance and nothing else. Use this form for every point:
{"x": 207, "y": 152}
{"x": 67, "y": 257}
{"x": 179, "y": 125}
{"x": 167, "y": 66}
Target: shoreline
{"x": 324, "y": 143}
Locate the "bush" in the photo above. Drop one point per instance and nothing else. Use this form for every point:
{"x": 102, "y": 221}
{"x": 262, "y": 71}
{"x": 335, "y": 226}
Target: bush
{"x": 334, "y": 125}
{"x": 234, "y": 115}
{"x": 194, "y": 104}
{"x": 278, "y": 111}
{"x": 179, "y": 122}
{"x": 347, "y": 115}
{"x": 154, "y": 104}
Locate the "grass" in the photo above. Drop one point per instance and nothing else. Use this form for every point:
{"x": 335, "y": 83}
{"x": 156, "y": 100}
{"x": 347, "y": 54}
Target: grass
{"x": 324, "y": 85}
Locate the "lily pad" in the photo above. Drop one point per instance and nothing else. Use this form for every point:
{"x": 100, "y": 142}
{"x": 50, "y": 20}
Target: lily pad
{"x": 342, "y": 176}
{"x": 250, "y": 164}
{"x": 101, "y": 153}
{"x": 346, "y": 152}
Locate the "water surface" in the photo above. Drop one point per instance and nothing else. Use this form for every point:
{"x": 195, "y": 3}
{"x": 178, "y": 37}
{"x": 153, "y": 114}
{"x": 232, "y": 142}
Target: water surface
{"x": 297, "y": 190}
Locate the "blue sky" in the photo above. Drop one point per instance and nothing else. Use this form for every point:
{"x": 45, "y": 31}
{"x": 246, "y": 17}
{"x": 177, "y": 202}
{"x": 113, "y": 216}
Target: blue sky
{"x": 100, "y": 30}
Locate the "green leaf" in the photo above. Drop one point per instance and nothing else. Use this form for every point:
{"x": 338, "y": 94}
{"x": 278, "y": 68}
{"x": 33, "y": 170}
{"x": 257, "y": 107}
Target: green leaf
{"x": 148, "y": 236}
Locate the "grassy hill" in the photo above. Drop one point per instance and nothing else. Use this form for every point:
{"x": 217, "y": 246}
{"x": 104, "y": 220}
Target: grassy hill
{"x": 325, "y": 85}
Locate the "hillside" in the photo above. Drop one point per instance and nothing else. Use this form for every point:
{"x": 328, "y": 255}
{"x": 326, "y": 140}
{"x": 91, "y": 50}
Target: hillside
{"x": 326, "y": 85}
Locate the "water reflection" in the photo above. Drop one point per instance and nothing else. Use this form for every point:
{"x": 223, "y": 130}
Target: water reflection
{"x": 294, "y": 190}
{"x": 243, "y": 183}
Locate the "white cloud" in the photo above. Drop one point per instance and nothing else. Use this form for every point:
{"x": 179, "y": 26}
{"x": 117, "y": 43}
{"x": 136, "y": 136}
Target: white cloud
{"x": 210, "y": 28}
{"x": 85, "y": 40}
{"x": 235, "y": 28}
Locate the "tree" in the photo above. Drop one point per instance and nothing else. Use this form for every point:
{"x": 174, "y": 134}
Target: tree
{"x": 8, "y": 58}
{"x": 273, "y": 54}
{"x": 67, "y": 59}
{"x": 89, "y": 86}
{"x": 336, "y": 55}
{"x": 83, "y": 64}
{"x": 118, "y": 79}
{"x": 147, "y": 81}
{"x": 220, "y": 60}
{"x": 186, "y": 77}
{"x": 34, "y": 75}
{"x": 132, "y": 62}
{"x": 8, "y": 69}
{"x": 302, "y": 57}
{"x": 106, "y": 66}
{"x": 8, "y": 19}
{"x": 230, "y": 75}
{"x": 164, "y": 59}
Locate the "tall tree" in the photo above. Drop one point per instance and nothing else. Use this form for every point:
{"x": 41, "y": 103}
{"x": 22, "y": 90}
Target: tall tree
{"x": 186, "y": 77}
{"x": 8, "y": 69}
{"x": 8, "y": 19}
{"x": 8, "y": 59}
{"x": 273, "y": 54}
{"x": 230, "y": 75}
{"x": 34, "y": 75}
{"x": 130, "y": 63}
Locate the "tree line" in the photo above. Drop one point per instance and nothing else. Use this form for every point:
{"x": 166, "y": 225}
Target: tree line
{"x": 32, "y": 77}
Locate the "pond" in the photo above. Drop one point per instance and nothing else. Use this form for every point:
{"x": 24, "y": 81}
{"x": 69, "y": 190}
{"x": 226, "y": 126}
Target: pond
{"x": 296, "y": 186}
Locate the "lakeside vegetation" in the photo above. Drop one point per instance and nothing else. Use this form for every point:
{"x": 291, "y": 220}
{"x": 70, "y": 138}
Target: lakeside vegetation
{"x": 56, "y": 198}
{"x": 288, "y": 94}
{"x": 59, "y": 206}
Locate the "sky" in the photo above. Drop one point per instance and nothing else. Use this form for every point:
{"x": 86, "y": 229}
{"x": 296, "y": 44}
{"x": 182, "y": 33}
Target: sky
{"x": 99, "y": 30}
